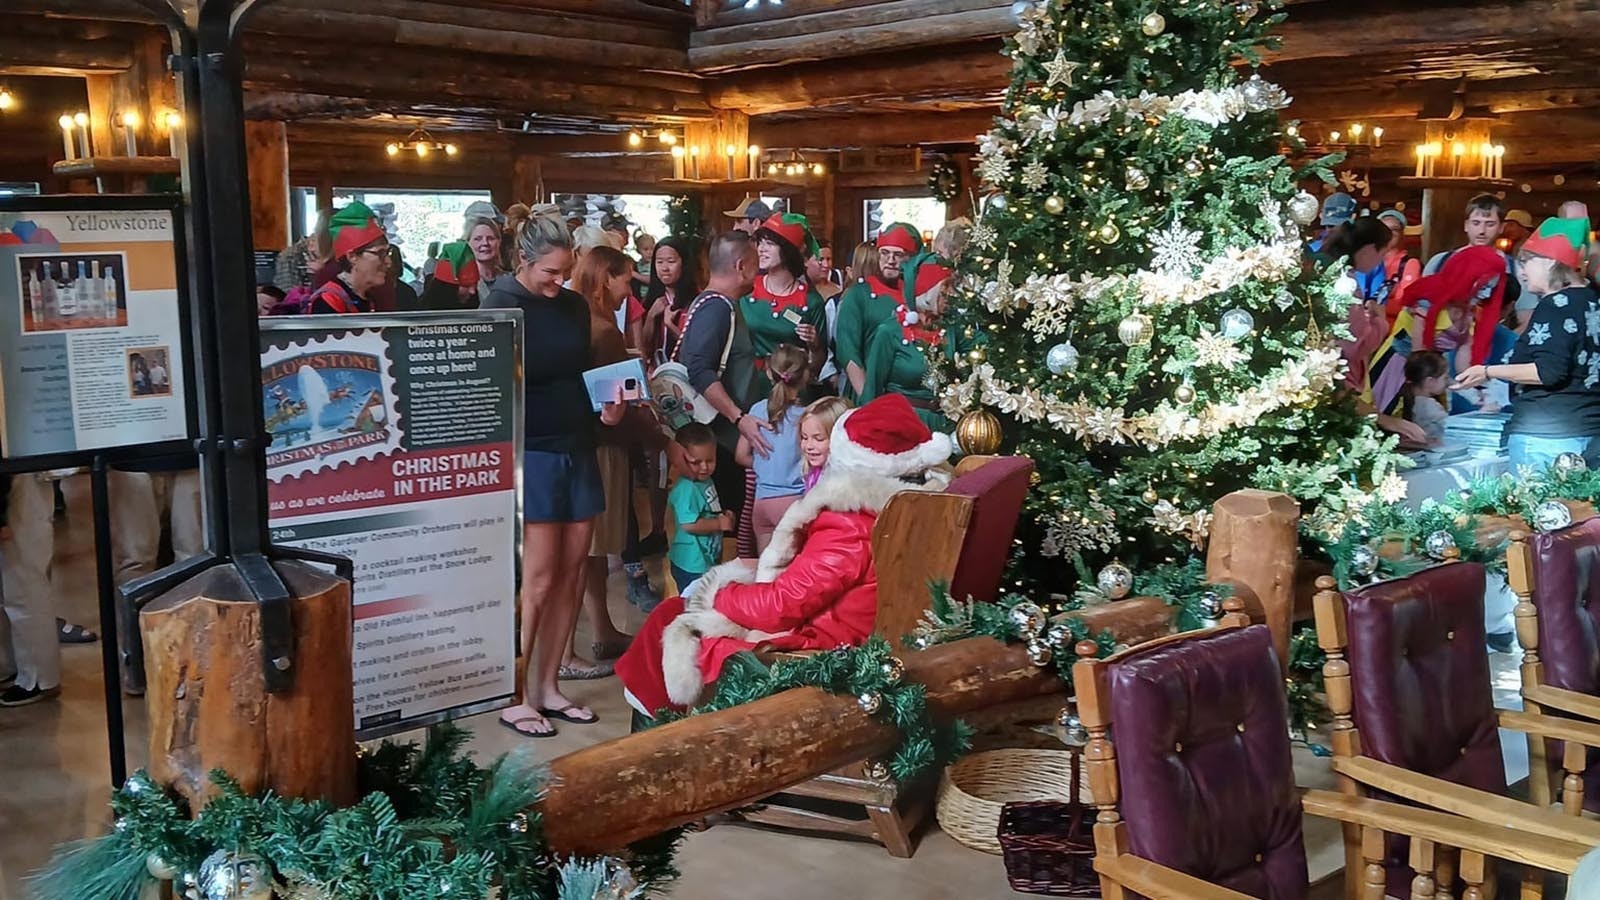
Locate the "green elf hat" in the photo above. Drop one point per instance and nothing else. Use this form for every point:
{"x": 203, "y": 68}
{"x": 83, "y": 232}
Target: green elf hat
{"x": 456, "y": 265}
{"x": 921, "y": 274}
{"x": 1562, "y": 240}
{"x": 353, "y": 227}
{"x": 791, "y": 229}
{"x": 905, "y": 237}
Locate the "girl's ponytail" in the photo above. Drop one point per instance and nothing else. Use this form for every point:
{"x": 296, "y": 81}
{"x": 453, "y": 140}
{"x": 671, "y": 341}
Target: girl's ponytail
{"x": 789, "y": 367}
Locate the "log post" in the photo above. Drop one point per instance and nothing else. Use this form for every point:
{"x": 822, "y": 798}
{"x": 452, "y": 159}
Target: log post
{"x": 207, "y": 698}
{"x": 266, "y": 148}
{"x": 1255, "y": 546}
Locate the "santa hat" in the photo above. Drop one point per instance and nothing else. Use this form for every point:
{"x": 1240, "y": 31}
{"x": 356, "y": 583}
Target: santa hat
{"x": 456, "y": 265}
{"x": 906, "y": 237}
{"x": 791, "y": 229}
{"x": 1561, "y": 240}
{"x": 886, "y": 437}
{"x": 353, "y": 227}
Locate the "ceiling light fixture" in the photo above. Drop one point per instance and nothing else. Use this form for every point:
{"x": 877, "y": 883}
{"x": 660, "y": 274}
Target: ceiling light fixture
{"x": 421, "y": 143}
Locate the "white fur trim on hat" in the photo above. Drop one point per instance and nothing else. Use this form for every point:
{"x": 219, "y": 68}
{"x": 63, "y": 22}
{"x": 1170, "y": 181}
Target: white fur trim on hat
{"x": 846, "y": 453}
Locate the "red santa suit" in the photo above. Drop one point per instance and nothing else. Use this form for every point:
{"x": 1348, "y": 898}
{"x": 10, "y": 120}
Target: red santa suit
{"x": 815, "y": 587}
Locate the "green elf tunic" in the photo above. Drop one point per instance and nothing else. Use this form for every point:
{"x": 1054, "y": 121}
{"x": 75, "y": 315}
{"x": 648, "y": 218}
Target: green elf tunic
{"x": 863, "y": 307}
{"x": 897, "y": 362}
{"x": 771, "y": 320}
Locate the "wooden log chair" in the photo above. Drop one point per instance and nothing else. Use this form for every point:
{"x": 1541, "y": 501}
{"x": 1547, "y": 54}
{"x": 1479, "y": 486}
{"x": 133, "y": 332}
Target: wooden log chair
{"x": 961, "y": 535}
{"x": 1408, "y": 685}
{"x": 1556, "y": 577}
{"x": 1190, "y": 769}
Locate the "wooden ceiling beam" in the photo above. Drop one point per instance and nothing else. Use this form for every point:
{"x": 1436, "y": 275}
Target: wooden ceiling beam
{"x": 891, "y": 130}
{"x": 898, "y": 77}
{"x": 924, "y": 27}
{"x": 1417, "y": 29}
{"x": 526, "y": 21}
{"x": 834, "y": 21}
{"x": 32, "y": 55}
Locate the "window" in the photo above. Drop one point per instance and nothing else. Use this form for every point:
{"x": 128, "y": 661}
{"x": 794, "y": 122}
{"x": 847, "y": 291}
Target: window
{"x": 644, "y": 212}
{"x": 414, "y": 219}
{"x": 925, "y": 213}
{"x": 18, "y": 188}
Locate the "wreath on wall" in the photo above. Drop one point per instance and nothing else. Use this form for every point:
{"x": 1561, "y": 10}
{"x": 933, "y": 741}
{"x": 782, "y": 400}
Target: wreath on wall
{"x": 944, "y": 182}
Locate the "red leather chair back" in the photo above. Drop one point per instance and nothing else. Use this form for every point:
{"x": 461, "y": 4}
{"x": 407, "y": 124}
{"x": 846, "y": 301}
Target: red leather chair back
{"x": 1200, "y": 729}
{"x": 1566, "y": 592}
{"x": 998, "y": 489}
{"x": 1419, "y": 670}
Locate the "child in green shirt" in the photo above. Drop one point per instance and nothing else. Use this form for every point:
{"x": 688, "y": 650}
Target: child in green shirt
{"x": 696, "y": 510}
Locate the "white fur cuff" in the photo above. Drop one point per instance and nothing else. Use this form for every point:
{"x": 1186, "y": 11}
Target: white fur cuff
{"x": 703, "y": 593}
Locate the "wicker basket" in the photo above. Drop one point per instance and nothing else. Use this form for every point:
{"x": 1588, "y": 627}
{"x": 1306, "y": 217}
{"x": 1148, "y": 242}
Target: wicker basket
{"x": 973, "y": 791}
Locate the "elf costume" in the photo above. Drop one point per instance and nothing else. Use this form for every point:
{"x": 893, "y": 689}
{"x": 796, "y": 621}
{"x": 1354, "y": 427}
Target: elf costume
{"x": 815, "y": 587}
{"x": 771, "y": 318}
{"x": 453, "y": 284}
{"x": 353, "y": 227}
{"x": 868, "y": 303}
{"x": 898, "y": 350}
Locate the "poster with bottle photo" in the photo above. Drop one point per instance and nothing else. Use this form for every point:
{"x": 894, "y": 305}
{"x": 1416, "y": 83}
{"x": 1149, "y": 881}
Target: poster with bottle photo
{"x": 92, "y": 332}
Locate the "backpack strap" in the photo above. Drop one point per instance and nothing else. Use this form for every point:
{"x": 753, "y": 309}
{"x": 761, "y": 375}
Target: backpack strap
{"x": 333, "y": 296}
{"x": 694, "y": 308}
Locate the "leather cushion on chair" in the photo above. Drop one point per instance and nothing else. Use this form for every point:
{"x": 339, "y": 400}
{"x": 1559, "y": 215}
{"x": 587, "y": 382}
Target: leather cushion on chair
{"x": 1200, "y": 729}
{"x": 998, "y": 489}
{"x": 1566, "y": 592}
{"x": 1419, "y": 670}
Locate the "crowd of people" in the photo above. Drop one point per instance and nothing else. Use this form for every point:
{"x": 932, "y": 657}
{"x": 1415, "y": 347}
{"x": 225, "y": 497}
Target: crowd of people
{"x": 1508, "y": 322}
{"x": 768, "y": 334}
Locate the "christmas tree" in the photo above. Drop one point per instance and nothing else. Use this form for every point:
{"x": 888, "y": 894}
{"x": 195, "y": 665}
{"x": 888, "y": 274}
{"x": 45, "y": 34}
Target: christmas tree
{"x": 1145, "y": 326}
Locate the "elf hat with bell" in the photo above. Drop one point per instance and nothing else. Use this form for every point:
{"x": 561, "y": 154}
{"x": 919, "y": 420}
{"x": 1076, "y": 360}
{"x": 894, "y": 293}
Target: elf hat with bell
{"x": 1561, "y": 240}
{"x": 456, "y": 265}
{"x": 885, "y": 437}
{"x": 353, "y": 227}
{"x": 903, "y": 236}
{"x": 791, "y": 229}
{"x": 923, "y": 273}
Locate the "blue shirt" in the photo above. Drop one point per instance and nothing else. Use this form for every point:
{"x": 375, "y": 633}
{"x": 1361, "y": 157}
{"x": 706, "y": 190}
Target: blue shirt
{"x": 692, "y": 501}
{"x": 778, "y": 474}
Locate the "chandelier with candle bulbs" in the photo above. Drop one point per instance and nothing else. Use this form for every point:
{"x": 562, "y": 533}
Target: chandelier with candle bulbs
{"x": 421, "y": 143}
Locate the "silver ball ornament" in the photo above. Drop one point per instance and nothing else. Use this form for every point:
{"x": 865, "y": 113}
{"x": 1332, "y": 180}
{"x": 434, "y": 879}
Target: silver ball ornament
{"x": 1058, "y": 636}
{"x": 1551, "y": 515}
{"x": 159, "y": 868}
{"x": 893, "y": 670}
{"x": 1027, "y": 618}
{"x": 1364, "y": 561}
{"x": 1153, "y": 25}
{"x": 1184, "y": 394}
{"x": 1061, "y": 358}
{"x": 1039, "y": 654}
{"x": 1136, "y": 330}
{"x": 225, "y": 875}
{"x": 1210, "y": 605}
{"x": 870, "y": 702}
{"x": 1438, "y": 544}
{"x": 1115, "y": 581}
{"x": 1194, "y": 167}
{"x": 518, "y": 824}
{"x": 1304, "y": 208}
{"x": 1136, "y": 178}
{"x": 1570, "y": 463}
{"x": 1237, "y": 323}
{"x": 1070, "y": 730}
{"x": 1054, "y": 205}
{"x": 1246, "y": 10}
{"x": 876, "y": 770}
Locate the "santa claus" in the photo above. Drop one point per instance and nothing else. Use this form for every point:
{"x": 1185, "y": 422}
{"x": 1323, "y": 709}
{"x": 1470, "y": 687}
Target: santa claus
{"x": 814, "y": 588}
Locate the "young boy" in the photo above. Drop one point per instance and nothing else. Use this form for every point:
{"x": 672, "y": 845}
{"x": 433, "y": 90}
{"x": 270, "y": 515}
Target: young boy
{"x": 697, "y": 541}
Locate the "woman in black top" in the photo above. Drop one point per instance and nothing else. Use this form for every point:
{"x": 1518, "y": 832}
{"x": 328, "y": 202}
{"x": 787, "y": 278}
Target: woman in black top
{"x": 562, "y": 490}
{"x": 674, "y": 282}
{"x": 1556, "y": 362}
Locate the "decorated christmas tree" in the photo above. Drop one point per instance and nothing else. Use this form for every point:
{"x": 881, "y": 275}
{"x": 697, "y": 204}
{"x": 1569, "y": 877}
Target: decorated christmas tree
{"x": 1146, "y": 328}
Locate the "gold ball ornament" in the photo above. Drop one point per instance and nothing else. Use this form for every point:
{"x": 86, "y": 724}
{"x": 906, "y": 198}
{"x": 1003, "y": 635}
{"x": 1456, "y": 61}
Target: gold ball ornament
{"x": 1136, "y": 330}
{"x": 1185, "y": 393}
{"x": 1054, "y": 205}
{"x": 1150, "y": 495}
{"x": 1153, "y": 24}
{"x": 1108, "y": 233}
{"x": 978, "y": 433}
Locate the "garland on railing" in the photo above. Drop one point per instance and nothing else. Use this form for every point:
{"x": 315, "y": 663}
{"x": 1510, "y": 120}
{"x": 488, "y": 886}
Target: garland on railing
{"x": 432, "y": 824}
{"x": 1380, "y": 539}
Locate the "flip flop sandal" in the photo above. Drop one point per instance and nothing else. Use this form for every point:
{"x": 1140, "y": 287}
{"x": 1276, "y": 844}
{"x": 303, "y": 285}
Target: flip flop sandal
{"x": 565, "y": 715}
{"x": 516, "y": 725}
{"x": 585, "y": 673}
{"x": 68, "y": 633}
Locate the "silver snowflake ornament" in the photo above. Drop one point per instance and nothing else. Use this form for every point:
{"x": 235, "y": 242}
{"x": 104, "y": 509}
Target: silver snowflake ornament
{"x": 1175, "y": 251}
{"x": 1035, "y": 175}
{"x": 984, "y": 235}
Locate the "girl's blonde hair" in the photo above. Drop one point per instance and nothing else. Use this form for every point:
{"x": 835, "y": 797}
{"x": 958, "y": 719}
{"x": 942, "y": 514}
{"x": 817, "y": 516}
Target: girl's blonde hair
{"x": 827, "y": 411}
{"x": 789, "y": 367}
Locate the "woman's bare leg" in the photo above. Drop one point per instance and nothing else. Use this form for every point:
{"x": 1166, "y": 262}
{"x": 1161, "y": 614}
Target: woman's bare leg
{"x": 560, "y": 616}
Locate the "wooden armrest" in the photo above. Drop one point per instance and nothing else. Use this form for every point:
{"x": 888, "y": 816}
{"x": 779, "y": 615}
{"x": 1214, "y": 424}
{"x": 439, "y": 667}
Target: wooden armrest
{"x": 1564, "y": 700}
{"x": 1469, "y": 802}
{"x": 1550, "y": 854}
{"x": 1157, "y": 882}
{"x": 1575, "y": 730}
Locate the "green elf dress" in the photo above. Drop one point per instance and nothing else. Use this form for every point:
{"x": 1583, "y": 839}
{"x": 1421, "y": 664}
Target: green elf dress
{"x": 772, "y": 318}
{"x": 867, "y": 304}
{"x": 898, "y": 351}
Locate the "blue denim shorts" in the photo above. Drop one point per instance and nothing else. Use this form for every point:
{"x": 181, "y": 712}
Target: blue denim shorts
{"x": 561, "y": 487}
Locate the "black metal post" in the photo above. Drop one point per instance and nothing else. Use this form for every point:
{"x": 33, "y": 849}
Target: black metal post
{"x": 105, "y": 581}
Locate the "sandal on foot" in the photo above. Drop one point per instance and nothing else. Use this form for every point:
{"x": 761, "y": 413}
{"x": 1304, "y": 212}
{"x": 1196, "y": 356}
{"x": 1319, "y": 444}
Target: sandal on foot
{"x": 516, "y": 725}
{"x": 585, "y": 673}
{"x": 68, "y": 633}
{"x": 605, "y": 651}
{"x": 565, "y": 715}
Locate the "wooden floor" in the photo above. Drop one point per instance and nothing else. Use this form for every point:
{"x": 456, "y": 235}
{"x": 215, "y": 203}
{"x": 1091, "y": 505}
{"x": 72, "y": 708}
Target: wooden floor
{"x": 54, "y": 781}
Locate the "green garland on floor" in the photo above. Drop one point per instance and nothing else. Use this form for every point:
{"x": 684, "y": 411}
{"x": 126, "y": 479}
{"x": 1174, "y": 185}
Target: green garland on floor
{"x": 1382, "y": 539}
{"x": 870, "y": 673}
{"x": 432, "y": 824}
